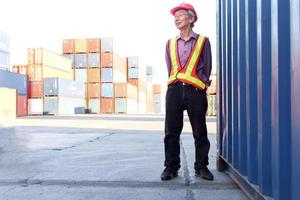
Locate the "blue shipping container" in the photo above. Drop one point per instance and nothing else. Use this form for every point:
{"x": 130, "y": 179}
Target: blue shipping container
{"x": 107, "y": 90}
{"x": 258, "y": 96}
{"x": 72, "y": 57}
{"x": 80, "y": 60}
{"x": 106, "y": 75}
{"x": 4, "y": 42}
{"x": 94, "y": 60}
{"x": 14, "y": 81}
{"x": 133, "y": 73}
{"x": 81, "y": 75}
{"x": 94, "y": 105}
{"x": 63, "y": 87}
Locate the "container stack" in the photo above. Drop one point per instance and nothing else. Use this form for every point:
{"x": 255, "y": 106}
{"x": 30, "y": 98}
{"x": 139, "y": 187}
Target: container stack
{"x": 211, "y": 97}
{"x": 43, "y": 64}
{"x": 137, "y": 77}
{"x": 63, "y": 96}
{"x": 149, "y": 93}
{"x": 4, "y": 51}
{"x": 113, "y": 70}
{"x": 157, "y": 98}
{"x": 13, "y": 94}
{"x": 126, "y": 98}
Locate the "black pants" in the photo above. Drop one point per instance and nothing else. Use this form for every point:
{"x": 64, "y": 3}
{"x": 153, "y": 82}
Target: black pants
{"x": 181, "y": 97}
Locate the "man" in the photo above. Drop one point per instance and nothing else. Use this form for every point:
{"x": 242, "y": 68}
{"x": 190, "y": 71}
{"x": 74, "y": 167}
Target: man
{"x": 188, "y": 58}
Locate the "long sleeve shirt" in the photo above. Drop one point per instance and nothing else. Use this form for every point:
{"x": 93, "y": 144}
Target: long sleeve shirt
{"x": 184, "y": 50}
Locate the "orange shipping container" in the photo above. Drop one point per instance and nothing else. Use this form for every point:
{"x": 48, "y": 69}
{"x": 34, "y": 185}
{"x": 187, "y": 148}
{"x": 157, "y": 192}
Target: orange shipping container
{"x": 94, "y": 75}
{"x": 134, "y": 82}
{"x": 35, "y": 89}
{"x": 156, "y": 89}
{"x": 21, "y": 105}
{"x": 106, "y": 59}
{"x": 94, "y": 90}
{"x": 80, "y": 46}
{"x": 126, "y": 90}
{"x": 142, "y": 86}
{"x": 69, "y": 46}
{"x": 107, "y": 105}
{"x": 93, "y": 45}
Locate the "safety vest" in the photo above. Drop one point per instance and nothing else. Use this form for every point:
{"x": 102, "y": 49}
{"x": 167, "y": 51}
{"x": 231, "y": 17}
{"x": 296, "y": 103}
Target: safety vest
{"x": 188, "y": 73}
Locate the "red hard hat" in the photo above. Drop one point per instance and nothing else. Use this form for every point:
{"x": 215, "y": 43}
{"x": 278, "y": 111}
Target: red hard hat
{"x": 185, "y": 6}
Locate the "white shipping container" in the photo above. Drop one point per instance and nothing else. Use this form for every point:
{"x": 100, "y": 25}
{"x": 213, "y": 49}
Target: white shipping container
{"x": 119, "y": 77}
{"x": 35, "y": 106}
{"x": 157, "y": 98}
{"x": 81, "y": 75}
{"x": 8, "y": 105}
{"x": 106, "y": 44}
{"x": 94, "y": 105}
{"x": 157, "y": 108}
{"x": 62, "y": 105}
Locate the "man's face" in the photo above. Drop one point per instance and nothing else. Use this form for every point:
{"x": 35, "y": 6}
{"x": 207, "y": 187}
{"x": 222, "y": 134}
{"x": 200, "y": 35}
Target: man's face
{"x": 182, "y": 20}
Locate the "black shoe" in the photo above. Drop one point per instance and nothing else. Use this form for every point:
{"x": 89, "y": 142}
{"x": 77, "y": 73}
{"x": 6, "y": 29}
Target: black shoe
{"x": 168, "y": 174}
{"x": 205, "y": 173}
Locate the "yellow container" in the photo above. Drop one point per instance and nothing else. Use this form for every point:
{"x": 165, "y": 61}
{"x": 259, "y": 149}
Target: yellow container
{"x": 8, "y": 105}
{"x": 80, "y": 46}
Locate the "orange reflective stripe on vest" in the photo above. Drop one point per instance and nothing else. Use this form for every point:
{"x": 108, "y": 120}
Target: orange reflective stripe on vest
{"x": 187, "y": 74}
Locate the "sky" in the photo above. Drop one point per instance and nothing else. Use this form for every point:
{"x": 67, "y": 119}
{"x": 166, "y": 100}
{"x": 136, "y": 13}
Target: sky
{"x": 138, "y": 27}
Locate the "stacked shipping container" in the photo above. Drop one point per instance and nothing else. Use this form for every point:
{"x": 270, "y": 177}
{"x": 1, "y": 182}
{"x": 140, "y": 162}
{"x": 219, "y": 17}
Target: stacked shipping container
{"x": 16, "y": 82}
{"x": 4, "y": 51}
{"x": 211, "y": 96}
{"x": 43, "y": 64}
{"x": 157, "y": 98}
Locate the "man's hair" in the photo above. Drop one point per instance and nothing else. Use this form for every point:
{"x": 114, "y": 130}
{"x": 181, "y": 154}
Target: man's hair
{"x": 190, "y": 15}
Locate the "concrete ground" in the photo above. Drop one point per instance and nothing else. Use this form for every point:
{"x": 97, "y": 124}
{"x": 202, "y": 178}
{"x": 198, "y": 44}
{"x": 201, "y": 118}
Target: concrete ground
{"x": 107, "y": 157}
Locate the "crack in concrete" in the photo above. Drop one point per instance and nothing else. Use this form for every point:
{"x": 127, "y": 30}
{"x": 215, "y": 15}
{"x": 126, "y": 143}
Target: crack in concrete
{"x": 186, "y": 173}
{"x": 133, "y": 184}
{"x": 79, "y": 144}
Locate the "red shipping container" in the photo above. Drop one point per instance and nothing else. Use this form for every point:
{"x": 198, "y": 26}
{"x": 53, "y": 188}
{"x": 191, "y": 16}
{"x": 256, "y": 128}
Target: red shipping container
{"x": 94, "y": 90}
{"x": 22, "y": 106}
{"x": 93, "y": 45}
{"x": 35, "y": 89}
{"x": 69, "y": 46}
{"x": 106, "y": 59}
{"x": 107, "y": 105}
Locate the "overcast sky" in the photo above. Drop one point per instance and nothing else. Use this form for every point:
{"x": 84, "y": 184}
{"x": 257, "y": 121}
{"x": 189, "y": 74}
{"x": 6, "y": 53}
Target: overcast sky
{"x": 138, "y": 27}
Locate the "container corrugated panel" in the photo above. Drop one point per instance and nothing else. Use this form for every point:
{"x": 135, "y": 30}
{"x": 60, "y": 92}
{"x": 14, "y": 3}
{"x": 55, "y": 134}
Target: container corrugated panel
{"x": 126, "y": 105}
{"x": 69, "y": 46}
{"x": 106, "y": 75}
{"x": 107, "y": 90}
{"x": 93, "y": 60}
{"x": 21, "y": 105}
{"x": 63, "y": 87}
{"x": 106, "y": 44}
{"x": 106, "y": 59}
{"x": 107, "y": 105}
{"x": 35, "y": 106}
{"x": 119, "y": 77}
{"x": 133, "y": 73}
{"x": 156, "y": 88}
{"x": 81, "y": 75}
{"x": 94, "y": 90}
{"x": 8, "y": 103}
{"x": 258, "y": 103}
{"x": 119, "y": 63}
{"x": 14, "y": 81}
{"x": 81, "y": 60}
{"x": 94, "y": 105}
{"x": 93, "y": 45}
{"x": 51, "y": 59}
{"x": 62, "y": 105}
{"x": 4, "y": 60}
{"x": 35, "y": 89}
{"x": 133, "y": 61}
{"x": 94, "y": 75}
{"x": 149, "y": 107}
{"x": 80, "y": 46}
{"x": 4, "y": 42}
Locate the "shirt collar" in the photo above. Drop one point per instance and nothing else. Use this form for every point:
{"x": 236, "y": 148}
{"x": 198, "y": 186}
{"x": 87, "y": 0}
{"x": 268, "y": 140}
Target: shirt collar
{"x": 193, "y": 35}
